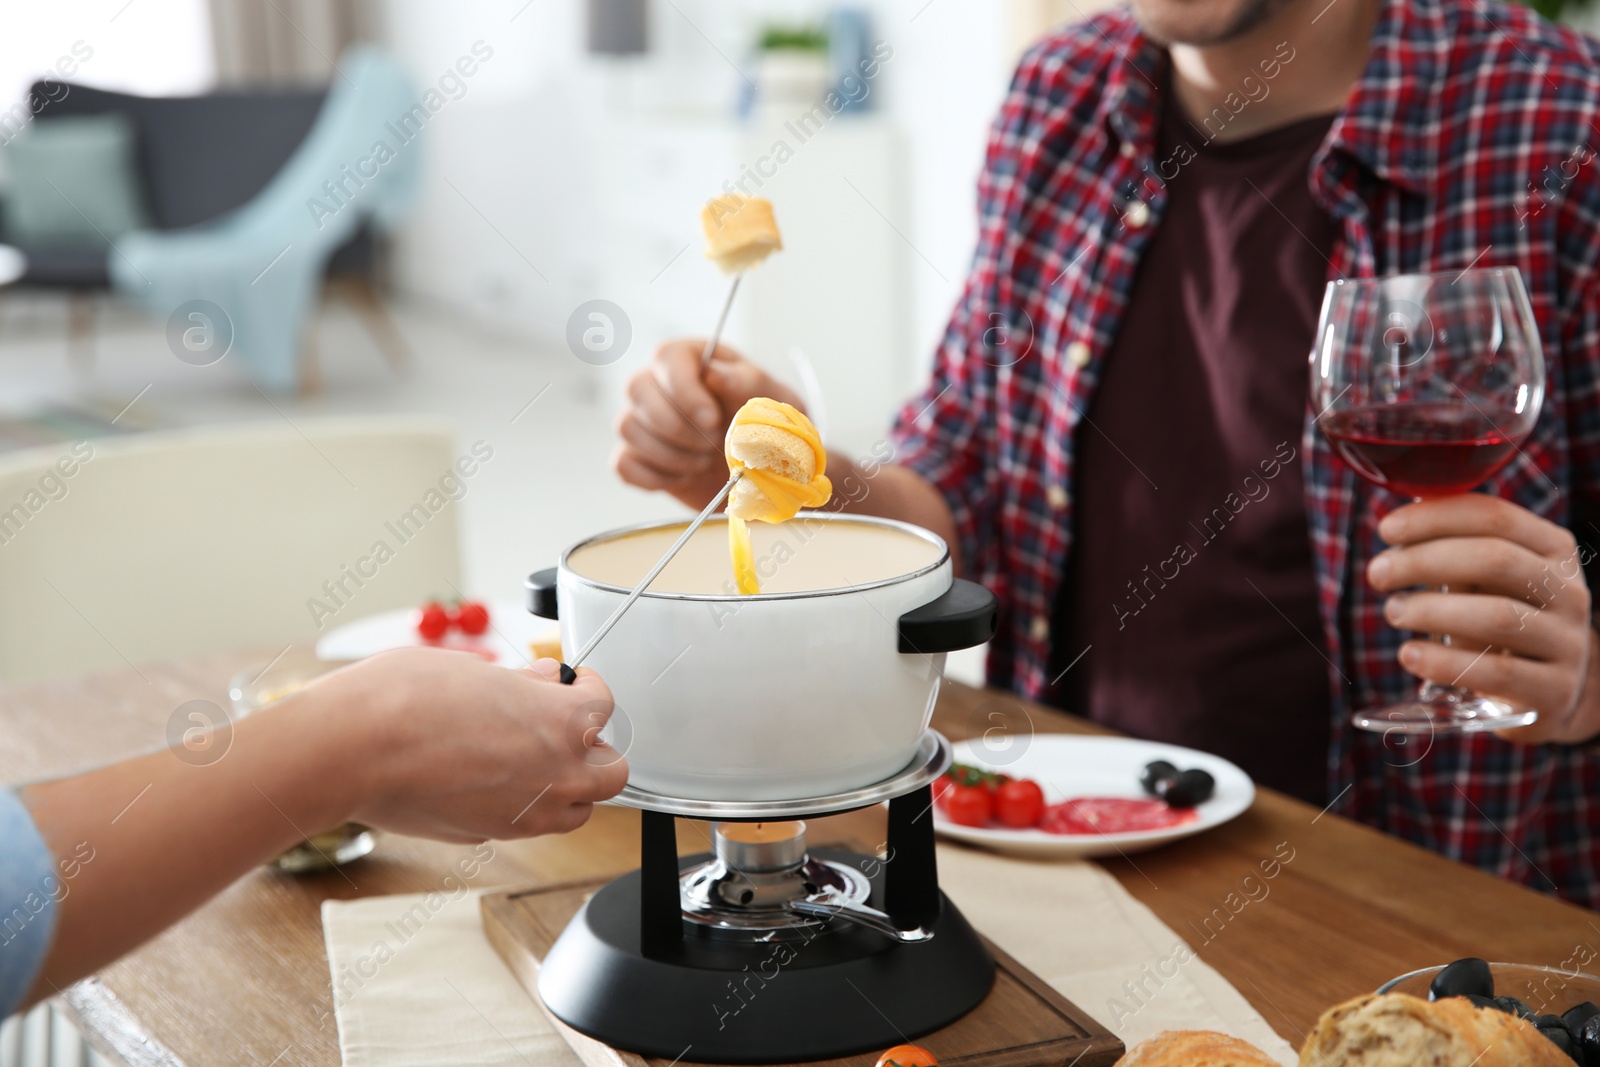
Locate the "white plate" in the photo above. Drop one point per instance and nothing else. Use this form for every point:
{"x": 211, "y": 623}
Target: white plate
{"x": 1067, "y": 766}
{"x": 511, "y": 627}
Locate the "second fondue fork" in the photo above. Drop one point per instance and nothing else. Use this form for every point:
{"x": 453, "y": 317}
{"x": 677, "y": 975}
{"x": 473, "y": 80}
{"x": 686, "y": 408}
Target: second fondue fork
{"x": 569, "y": 672}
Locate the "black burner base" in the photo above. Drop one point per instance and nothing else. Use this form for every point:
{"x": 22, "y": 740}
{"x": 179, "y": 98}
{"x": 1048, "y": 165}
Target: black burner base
{"x": 841, "y": 990}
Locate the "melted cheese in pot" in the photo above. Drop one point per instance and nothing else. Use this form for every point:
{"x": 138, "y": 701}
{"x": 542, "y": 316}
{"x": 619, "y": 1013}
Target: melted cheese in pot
{"x": 780, "y": 497}
{"x": 803, "y": 555}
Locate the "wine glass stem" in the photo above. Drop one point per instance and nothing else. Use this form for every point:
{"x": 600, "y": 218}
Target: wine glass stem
{"x": 1432, "y": 690}
{"x": 1443, "y": 639}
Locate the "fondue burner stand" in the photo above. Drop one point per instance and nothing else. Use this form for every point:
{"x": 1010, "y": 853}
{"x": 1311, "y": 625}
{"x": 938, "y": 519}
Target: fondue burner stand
{"x": 766, "y": 951}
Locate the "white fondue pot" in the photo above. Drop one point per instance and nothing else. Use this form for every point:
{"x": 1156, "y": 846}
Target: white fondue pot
{"x": 822, "y": 683}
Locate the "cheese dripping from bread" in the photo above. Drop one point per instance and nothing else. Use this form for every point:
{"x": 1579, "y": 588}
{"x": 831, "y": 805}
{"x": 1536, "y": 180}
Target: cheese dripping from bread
{"x": 781, "y": 457}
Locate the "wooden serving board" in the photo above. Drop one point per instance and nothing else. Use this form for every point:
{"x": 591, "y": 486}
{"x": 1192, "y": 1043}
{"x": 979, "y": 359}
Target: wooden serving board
{"x": 1022, "y": 1023}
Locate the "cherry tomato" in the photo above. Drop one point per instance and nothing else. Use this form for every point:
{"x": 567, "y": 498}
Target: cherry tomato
{"x": 964, "y": 774}
{"x": 969, "y": 805}
{"x": 943, "y": 786}
{"x": 1019, "y": 804}
{"x": 907, "y": 1056}
{"x": 433, "y": 621}
{"x": 472, "y": 617}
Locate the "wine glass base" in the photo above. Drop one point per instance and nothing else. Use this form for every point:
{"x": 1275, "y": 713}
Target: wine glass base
{"x": 326, "y": 851}
{"x": 1445, "y": 710}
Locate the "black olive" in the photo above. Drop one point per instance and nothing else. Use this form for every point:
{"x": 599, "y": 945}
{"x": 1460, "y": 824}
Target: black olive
{"x": 1188, "y": 789}
{"x": 1463, "y": 977}
{"x": 1590, "y": 1040}
{"x": 1558, "y": 1035}
{"x": 1579, "y": 1014}
{"x": 1515, "y": 1007}
{"x": 1477, "y": 1001}
{"x": 1156, "y": 773}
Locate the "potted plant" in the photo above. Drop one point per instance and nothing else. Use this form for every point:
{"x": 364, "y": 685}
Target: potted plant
{"x": 792, "y": 68}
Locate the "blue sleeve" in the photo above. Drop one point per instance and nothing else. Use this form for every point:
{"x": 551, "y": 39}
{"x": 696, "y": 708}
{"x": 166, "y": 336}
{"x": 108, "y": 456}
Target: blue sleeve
{"x": 29, "y": 888}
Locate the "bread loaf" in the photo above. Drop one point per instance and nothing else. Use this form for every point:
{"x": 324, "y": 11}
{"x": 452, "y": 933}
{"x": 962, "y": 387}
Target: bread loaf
{"x": 1397, "y": 1030}
{"x": 1196, "y": 1048}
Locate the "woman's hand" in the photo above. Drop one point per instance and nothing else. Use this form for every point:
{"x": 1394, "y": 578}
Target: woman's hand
{"x": 418, "y": 740}
{"x": 1517, "y": 611}
{"x": 459, "y": 749}
{"x": 678, "y": 413}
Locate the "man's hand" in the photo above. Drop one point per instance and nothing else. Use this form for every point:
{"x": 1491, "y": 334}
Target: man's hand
{"x": 677, "y": 415}
{"x": 1517, "y": 610}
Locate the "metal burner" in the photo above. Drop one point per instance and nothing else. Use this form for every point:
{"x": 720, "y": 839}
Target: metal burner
{"x": 795, "y": 972}
{"x": 762, "y": 885}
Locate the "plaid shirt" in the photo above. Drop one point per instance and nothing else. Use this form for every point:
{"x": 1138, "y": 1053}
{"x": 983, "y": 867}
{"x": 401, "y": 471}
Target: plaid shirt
{"x": 1470, "y": 139}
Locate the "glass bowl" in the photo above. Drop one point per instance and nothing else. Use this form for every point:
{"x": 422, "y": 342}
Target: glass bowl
{"x": 1544, "y": 989}
{"x": 264, "y": 685}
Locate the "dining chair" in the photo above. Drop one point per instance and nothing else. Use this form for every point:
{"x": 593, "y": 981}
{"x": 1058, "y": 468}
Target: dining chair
{"x": 116, "y": 551}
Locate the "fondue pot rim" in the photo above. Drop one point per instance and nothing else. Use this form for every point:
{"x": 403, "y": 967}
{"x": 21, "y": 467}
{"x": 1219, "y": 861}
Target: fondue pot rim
{"x": 823, "y": 516}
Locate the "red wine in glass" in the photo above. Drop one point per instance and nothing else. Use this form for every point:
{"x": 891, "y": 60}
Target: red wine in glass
{"x": 1422, "y": 448}
{"x": 1426, "y": 385}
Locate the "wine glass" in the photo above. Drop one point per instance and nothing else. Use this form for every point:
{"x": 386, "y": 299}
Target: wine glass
{"x": 1426, "y": 385}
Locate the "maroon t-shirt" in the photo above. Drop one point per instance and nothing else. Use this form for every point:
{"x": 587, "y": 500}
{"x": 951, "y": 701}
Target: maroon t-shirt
{"x": 1190, "y": 579}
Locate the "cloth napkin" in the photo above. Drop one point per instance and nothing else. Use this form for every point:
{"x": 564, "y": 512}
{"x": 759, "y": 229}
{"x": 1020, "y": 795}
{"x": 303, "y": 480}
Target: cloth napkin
{"x": 416, "y": 983}
{"x": 1074, "y": 925}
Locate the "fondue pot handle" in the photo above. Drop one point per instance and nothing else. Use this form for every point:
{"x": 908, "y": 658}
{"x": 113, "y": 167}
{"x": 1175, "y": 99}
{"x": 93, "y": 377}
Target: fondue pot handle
{"x": 966, "y": 615}
{"x": 541, "y": 586}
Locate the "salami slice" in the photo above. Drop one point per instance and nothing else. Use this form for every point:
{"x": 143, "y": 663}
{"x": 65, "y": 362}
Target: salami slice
{"x": 1113, "y": 815}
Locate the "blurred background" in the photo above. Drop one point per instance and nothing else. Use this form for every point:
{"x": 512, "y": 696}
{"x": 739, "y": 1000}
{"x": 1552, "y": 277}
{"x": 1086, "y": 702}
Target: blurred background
{"x": 224, "y": 214}
{"x": 274, "y": 274}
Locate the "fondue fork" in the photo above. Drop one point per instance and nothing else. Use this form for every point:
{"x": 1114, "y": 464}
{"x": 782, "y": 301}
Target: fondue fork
{"x": 569, "y": 671}
{"x": 722, "y": 320}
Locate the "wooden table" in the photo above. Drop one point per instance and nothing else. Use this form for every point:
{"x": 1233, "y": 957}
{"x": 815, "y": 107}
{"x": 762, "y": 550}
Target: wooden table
{"x": 245, "y": 981}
